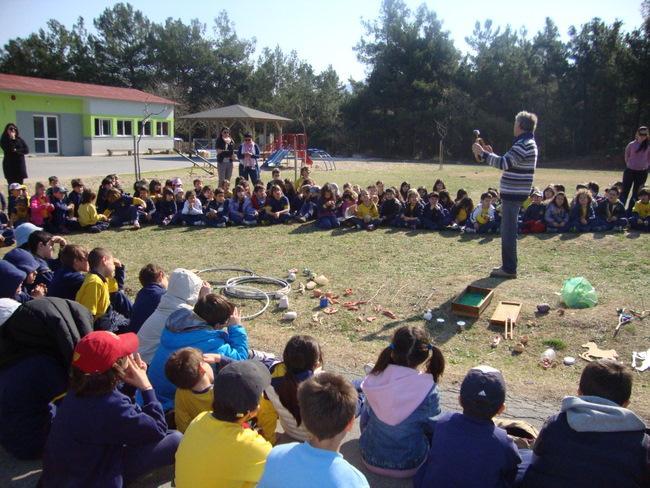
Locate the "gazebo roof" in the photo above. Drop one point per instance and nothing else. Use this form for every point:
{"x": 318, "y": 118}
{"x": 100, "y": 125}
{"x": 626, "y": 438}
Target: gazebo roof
{"x": 236, "y": 112}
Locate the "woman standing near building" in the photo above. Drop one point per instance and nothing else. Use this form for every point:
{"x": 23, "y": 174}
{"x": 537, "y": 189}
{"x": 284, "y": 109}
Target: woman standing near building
{"x": 13, "y": 163}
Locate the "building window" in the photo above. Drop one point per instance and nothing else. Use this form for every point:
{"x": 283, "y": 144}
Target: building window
{"x": 102, "y": 127}
{"x": 124, "y": 128}
{"x": 147, "y": 128}
{"x": 162, "y": 128}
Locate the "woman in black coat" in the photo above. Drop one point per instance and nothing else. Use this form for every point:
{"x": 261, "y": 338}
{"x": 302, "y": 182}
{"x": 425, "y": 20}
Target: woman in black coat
{"x": 13, "y": 163}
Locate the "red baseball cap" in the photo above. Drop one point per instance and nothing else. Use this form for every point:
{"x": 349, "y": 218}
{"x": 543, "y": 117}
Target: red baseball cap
{"x": 98, "y": 351}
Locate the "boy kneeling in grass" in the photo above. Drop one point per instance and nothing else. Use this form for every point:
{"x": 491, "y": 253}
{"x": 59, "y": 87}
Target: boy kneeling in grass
{"x": 328, "y": 403}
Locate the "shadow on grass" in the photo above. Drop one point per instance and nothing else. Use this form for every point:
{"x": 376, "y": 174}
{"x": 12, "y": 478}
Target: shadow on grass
{"x": 633, "y": 234}
{"x": 306, "y": 228}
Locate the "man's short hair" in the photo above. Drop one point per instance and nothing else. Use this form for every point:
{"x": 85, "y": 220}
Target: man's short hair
{"x": 96, "y": 256}
{"x": 71, "y": 252}
{"x": 150, "y": 273}
{"x": 607, "y": 379}
{"x": 328, "y": 403}
{"x": 214, "y": 309}
{"x": 183, "y": 367}
{"x": 526, "y": 121}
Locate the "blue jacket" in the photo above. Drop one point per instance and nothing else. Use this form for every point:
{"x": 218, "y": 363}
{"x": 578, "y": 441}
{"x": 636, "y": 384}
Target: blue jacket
{"x": 390, "y": 209}
{"x": 397, "y": 417}
{"x": 75, "y": 199}
{"x": 146, "y": 301}
{"x": 186, "y": 329}
{"x": 222, "y": 209}
{"x": 468, "y": 452}
{"x": 120, "y": 208}
{"x": 435, "y": 215}
{"x": 165, "y": 209}
{"x": 86, "y": 444}
{"x": 592, "y": 442}
{"x": 574, "y": 215}
{"x": 416, "y": 211}
{"x": 555, "y": 214}
{"x": 26, "y": 389}
{"x": 65, "y": 283}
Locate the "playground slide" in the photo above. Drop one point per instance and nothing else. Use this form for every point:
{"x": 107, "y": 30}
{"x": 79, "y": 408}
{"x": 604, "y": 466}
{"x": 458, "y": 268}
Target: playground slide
{"x": 275, "y": 159}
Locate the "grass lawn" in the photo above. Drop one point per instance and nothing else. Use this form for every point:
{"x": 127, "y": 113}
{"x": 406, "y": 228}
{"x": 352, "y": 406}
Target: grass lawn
{"x": 408, "y": 272}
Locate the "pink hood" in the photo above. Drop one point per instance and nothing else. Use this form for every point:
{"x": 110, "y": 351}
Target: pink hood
{"x": 394, "y": 394}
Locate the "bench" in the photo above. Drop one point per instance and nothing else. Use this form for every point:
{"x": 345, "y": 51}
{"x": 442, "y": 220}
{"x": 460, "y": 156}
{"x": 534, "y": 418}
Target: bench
{"x": 112, "y": 152}
{"x": 159, "y": 151}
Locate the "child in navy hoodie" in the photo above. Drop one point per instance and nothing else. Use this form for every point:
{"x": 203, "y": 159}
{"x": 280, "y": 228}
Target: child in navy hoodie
{"x": 594, "y": 440}
{"x": 390, "y": 208}
{"x": 99, "y": 436}
{"x": 401, "y": 403}
{"x": 467, "y": 449}
{"x": 533, "y": 220}
{"x": 610, "y": 212}
{"x": 70, "y": 275}
{"x": 154, "y": 285}
{"x": 434, "y": 216}
{"x": 166, "y": 208}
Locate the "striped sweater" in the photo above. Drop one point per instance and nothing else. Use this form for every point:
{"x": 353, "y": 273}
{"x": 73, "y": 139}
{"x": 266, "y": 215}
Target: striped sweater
{"x": 518, "y": 166}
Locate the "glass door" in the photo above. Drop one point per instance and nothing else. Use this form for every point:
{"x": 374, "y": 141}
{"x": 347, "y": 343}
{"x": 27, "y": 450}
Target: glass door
{"x": 46, "y": 134}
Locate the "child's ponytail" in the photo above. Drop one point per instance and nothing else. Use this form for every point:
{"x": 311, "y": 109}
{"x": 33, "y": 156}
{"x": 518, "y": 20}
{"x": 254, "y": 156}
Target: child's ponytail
{"x": 436, "y": 363}
{"x": 384, "y": 359}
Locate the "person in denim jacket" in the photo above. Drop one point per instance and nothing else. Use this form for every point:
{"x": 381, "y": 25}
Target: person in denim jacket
{"x": 400, "y": 404}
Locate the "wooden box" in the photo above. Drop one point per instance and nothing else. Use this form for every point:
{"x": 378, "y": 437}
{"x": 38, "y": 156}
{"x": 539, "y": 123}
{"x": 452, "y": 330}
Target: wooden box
{"x": 472, "y": 302}
{"x": 506, "y": 310}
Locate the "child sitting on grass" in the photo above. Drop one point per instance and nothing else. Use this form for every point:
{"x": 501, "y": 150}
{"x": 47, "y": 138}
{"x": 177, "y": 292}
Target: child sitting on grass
{"x": 640, "y": 219}
{"x": 40, "y": 206}
{"x": 166, "y": 208}
{"x": 367, "y": 214}
{"x": 434, "y": 216}
{"x": 70, "y": 275}
{"x": 213, "y": 326}
{"x": 557, "y": 214}
{"x": 532, "y": 221}
{"x": 327, "y": 407}
{"x": 582, "y": 216}
{"x": 218, "y": 448}
{"x": 461, "y": 212}
{"x": 594, "y": 440}
{"x": 99, "y": 437}
{"x": 467, "y": 449}
{"x": 192, "y": 213}
{"x": 101, "y": 292}
{"x": 123, "y": 208}
{"x": 411, "y": 216}
{"x": 89, "y": 219}
{"x": 326, "y": 209}
{"x": 154, "y": 285}
{"x": 218, "y": 210}
{"x": 610, "y": 213}
{"x": 401, "y": 403}
{"x": 390, "y": 208}
{"x": 301, "y": 359}
{"x": 191, "y": 373}
{"x": 277, "y": 208}
{"x": 482, "y": 219}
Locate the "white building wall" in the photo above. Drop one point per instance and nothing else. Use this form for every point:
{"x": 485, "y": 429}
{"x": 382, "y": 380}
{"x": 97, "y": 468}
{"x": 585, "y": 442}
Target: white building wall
{"x": 97, "y": 106}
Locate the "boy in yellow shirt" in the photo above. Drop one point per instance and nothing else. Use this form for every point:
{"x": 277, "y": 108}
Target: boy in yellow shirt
{"x": 191, "y": 372}
{"x": 640, "y": 219}
{"x": 217, "y": 449}
{"x": 101, "y": 292}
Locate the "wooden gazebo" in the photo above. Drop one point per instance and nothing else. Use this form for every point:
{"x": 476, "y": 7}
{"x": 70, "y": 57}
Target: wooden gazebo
{"x": 248, "y": 118}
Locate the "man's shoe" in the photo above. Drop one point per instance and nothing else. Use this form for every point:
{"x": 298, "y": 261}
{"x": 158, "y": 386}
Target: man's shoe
{"x": 500, "y": 273}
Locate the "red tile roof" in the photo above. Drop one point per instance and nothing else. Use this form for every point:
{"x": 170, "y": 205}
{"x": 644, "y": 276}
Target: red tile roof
{"x": 71, "y": 88}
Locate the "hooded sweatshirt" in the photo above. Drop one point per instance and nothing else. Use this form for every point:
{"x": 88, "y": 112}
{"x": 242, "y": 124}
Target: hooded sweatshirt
{"x": 10, "y": 279}
{"x": 400, "y": 405}
{"x": 186, "y": 329}
{"x": 182, "y": 293}
{"x": 7, "y": 307}
{"x": 591, "y": 442}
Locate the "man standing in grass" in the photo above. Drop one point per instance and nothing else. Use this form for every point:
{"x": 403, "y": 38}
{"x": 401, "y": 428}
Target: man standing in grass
{"x": 518, "y": 166}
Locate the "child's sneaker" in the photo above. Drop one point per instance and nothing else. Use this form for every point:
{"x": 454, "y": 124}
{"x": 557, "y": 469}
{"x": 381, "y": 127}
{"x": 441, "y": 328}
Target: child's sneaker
{"x": 199, "y": 222}
{"x": 302, "y": 220}
{"x": 136, "y": 225}
{"x": 221, "y": 225}
{"x": 370, "y": 227}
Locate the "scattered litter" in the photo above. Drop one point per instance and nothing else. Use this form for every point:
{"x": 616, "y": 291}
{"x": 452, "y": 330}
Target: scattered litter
{"x": 518, "y": 348}
{"x": 283, "y": 302}
{"x": 306, "y": 272}
{"x": 579, "y": 293}
{"x": 428, "y": 315}
{"x": 495, "y": 342}
{"x": 644, "y": 360}
{"x": 348, "y": 292}
{"x": 324, "y": 302}
{"x": 594, "y": 352}
{"x": 301, "y": 288}
{"x": 291, "y": 277}
{"x": 316, "y": 318}
{"x": 290, "y": 316}
{"x": 440, "y": 320}
{"x": 569, "y": 361}
{"x": 389, "y": 313}
{"x": 316, "y": 293}
{"x": 321, "y": 280}
{"x": 311, "y": 285}
{"x": 330, "y": 310}
{"x": 549, "y": 354}
{"x": 543, "y": 308}
{"x": 370, "y": 319}
{"x": 623, "y": 318}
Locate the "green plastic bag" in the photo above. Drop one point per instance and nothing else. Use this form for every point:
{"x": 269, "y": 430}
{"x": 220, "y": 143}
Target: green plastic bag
{"x": 578, "y": 293}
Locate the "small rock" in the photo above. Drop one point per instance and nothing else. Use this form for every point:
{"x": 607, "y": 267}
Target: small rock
{"x": 543, "y": 308}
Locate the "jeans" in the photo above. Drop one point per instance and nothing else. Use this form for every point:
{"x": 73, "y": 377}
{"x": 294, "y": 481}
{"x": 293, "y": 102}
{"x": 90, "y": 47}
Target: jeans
{"x": 327, "y": 222}
{"x": 509, "y": 225}
{"x": 636, "y": 178}
{"x": 129, "y": 215}
{"x": 250, "y": 172}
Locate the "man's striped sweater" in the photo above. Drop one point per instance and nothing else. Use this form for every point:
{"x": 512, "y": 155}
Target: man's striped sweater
{"x": 518, "y": 166}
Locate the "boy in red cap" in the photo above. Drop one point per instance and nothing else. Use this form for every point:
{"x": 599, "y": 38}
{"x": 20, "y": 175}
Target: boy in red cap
{"x": 99, "y": 436}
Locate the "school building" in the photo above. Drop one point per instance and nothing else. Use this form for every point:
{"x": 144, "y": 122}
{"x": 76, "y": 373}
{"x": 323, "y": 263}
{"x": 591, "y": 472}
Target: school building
{"x": 73, "y": 119}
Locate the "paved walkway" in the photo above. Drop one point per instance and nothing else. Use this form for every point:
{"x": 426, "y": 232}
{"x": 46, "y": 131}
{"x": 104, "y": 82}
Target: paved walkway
{"x": 22, "y": 474}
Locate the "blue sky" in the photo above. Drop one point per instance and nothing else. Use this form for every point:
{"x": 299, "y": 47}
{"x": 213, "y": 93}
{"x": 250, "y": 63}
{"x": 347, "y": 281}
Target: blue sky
{"x": 323, "y": 32}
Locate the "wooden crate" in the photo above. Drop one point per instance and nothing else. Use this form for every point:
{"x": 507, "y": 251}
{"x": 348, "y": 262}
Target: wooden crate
{"x": 473, "y": 311}
{"x": 506, "y": 310}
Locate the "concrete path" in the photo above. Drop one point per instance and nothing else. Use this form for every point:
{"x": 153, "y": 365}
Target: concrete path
{"x": 40, "y": 167}
{"x": 22, "y": 474}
